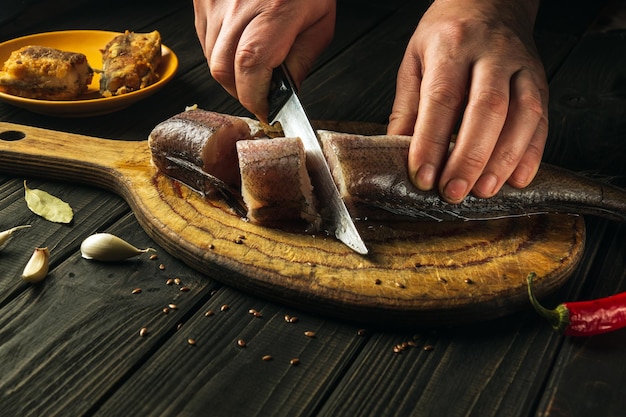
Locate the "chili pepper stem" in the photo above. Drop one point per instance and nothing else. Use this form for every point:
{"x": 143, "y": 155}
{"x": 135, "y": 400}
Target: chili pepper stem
{"x": 558, "y": 317}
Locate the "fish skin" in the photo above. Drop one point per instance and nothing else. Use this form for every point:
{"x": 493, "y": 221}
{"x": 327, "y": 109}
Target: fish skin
{"x": 371, "y": 172}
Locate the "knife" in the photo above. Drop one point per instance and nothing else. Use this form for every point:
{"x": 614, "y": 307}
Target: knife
{"x": 285, "y": 107}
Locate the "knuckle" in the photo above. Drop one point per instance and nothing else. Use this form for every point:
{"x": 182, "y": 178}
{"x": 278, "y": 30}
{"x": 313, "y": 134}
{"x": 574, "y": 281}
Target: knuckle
{"x": 535, "y": 150}
{"x": 221, "y": 73}
{"x": 248, "y": 58}
{"x": 508, "y": 159}
{"x": 442, "y": 95}
{"x": 456, "y": 32}
{"x": 532, "y": 104}
{"x": 474, "y": 161}
{"x": 492, "y": 101}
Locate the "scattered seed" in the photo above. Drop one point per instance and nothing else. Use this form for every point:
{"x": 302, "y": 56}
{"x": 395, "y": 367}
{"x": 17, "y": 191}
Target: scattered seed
{"x": 208, "y": 313}
{"x": 418, "y": 265}
{"x": 361, "y": 332}
{"x": 291, "y": 319}
{"x": 242, "y": 237}
{"x": 378, "y": 281}
{"x": 177, "y": 281}
{"x": 241, "y": 343}
{"x": 169, "y": 281}
{"x": 191, "y": 342}
{"x": 224, "y": 307}
{"x": 468, "y": 281}
{"x": 267, "y": 358}
{"x": 412, "y": 343}
{"x": 143, "y": 331}
{"x": 252, "y": 311}
{"x": 136, "y": 291}
{"x": 173, "y": 306}
{"x": 429, "y": 348}
{"x": 238, "y": 241}
{"x": 211, "y": 246}
{"x": 161, "y": 267}
{"x": 179, "y": 326}
{"x": 294, "y": 362}
{"x": 309, "y": 333}
{"x": 400, "y": 285}
{"x": 184, "y": 288}
{"x": 442, "y": 280}
{"x": 154, "y": 256}
{"x": 396, "y": 349}
{"x": 166, "y": 310}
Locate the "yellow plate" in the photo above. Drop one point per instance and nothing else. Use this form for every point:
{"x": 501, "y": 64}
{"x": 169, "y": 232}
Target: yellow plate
{"x": 88, "y": 42}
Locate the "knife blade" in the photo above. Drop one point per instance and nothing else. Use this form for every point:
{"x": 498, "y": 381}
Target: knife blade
{"x": 285, "y": 107}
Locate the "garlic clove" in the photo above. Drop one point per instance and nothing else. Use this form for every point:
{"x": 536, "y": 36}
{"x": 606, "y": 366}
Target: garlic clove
{"x": 37, "y": 266}
{"x": 108, "y": 247}
{"x": 7, "y": 234}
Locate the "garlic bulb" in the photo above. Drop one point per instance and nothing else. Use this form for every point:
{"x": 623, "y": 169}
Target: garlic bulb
{"x": 38, "y": 265}
{"x": 6, "y": 235}
{"x": 108, "y": 247}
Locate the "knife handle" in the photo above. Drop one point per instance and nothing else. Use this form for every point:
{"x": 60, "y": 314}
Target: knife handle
{"x": 281, "y": 88}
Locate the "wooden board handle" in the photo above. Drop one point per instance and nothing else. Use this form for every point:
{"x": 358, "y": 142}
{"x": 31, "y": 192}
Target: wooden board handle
{"x": 30, "y": 151}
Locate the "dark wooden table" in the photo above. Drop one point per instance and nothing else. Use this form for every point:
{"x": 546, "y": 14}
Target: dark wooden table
{"x": 70, "y": 346}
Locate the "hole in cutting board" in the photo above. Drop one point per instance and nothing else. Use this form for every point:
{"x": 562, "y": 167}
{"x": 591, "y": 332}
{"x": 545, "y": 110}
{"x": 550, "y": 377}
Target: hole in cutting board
{"x": 11, "y": 135}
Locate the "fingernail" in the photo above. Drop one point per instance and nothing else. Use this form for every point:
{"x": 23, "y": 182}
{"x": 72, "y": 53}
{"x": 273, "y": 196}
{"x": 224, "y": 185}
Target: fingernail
{"x": 455, "y": 190}
{"x": 425, "y": 177}
{"x": 486, "y": 185}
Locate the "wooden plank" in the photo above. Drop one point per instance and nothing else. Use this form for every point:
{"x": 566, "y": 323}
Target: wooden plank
{"x": 590, "y": 373}
{"x": 588, "y": 101}
{"x": 81, "y": 326}
{"x": 219, "y": 377}
{"x": 60, "y": 239}
{"x": 117, "y": 15}
{"x": 474, "y": 370}
{"x": 360, "y": 84}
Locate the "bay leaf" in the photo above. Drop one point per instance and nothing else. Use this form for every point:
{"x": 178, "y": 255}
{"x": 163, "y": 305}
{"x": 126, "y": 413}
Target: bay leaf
{"x": 48, "y": 206}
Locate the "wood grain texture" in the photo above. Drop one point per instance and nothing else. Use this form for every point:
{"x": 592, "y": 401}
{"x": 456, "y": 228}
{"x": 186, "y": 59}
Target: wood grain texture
{"x": 415, "y": 272}
{"x": 68, "y": 341}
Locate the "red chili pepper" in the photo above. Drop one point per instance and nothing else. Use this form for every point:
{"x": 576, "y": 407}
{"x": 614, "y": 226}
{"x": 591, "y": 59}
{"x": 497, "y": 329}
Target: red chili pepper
{"x": 584, "y": 318}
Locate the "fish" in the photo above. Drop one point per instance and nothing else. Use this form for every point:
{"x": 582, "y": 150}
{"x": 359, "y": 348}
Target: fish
{"x": 197, "y": 141}
{"x": 370, "y": 172}
{"x": 130, "y": 62}
{"x": 275, "y": 185}
{"x": 42, "y": 72}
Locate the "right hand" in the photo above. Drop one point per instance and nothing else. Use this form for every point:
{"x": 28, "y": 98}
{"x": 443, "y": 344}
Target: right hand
{"x": 244, "y": 40}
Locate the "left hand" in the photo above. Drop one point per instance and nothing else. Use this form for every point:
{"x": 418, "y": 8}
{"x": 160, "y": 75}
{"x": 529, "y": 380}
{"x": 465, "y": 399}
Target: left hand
{"x": 476, "y": 58}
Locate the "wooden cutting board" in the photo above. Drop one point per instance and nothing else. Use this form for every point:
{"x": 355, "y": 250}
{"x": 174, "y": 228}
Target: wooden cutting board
{"x": 416, "y": 273}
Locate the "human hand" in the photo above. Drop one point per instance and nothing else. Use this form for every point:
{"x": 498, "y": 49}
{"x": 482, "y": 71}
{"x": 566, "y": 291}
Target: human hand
{"x": 476, "y": 58}
{"x": 244, "y": 40}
